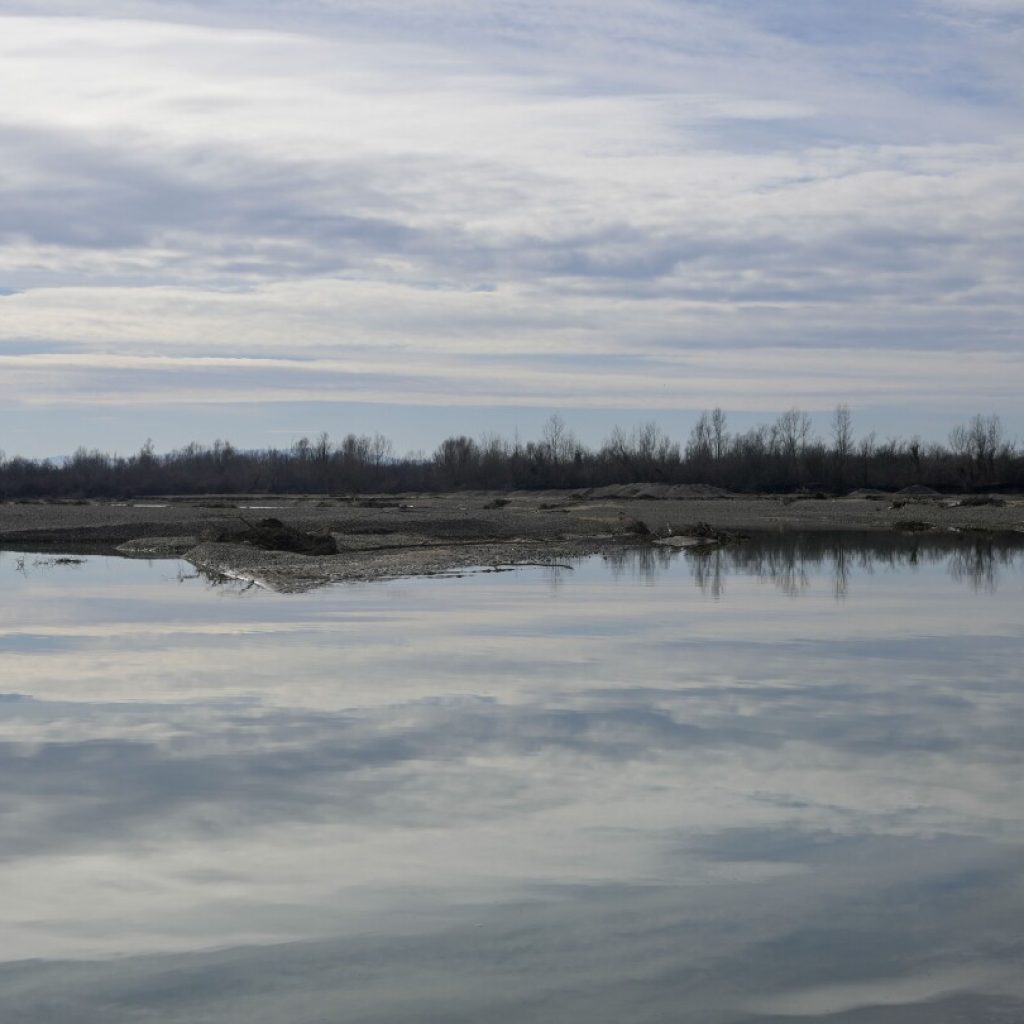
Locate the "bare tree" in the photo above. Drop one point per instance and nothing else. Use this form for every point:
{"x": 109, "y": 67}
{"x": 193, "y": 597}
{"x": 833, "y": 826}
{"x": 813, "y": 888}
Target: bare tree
{"x": 455, "y": 458}
{"x": 700, "y": 445}
{"x": 842, "y": 441}
{"x": 842, "y": 431}
{"x": 986, "y": 440}
{"x": 777, "y": 456}
{"x": 557, "y": 440}
{"x": 976, "y": 444}
{"x": 793, "y": 428}
{"x": 617, "y": 445}
{"x": 379, "y": 450}
{"x": 719, "y": 434}
{"x": 322, "y": 448}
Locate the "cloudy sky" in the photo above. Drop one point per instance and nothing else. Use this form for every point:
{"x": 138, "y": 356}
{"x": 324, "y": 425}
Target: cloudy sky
{"x": 259, "y": 220}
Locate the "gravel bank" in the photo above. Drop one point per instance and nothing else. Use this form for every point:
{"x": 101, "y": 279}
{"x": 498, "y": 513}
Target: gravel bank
{"x": 384, "y": 537}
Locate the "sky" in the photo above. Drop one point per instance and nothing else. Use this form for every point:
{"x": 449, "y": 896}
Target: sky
{"x": 259, "y": 220}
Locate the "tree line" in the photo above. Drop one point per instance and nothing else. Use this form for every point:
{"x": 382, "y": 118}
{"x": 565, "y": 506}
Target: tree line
{"x": 783, "y": 456}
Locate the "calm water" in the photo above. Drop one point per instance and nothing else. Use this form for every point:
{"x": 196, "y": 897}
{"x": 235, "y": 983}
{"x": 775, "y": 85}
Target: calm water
{"x": 780, "y": 783}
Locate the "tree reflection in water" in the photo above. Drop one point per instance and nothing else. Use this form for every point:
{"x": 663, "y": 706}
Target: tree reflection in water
{"x": 790, "y": 560}
{"x": 643, "y": 563}
{"x": 787, "y": 560}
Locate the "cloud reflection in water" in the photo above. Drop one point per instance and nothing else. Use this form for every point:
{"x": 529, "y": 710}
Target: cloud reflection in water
{"x": 615, "y": 799}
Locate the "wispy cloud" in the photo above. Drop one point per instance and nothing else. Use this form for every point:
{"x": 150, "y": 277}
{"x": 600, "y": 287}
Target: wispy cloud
{"x": 391, "y": 183}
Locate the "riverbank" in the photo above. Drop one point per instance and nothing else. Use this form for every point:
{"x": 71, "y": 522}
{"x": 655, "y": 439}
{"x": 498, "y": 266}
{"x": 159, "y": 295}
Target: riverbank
{"x": 378, "y": 537}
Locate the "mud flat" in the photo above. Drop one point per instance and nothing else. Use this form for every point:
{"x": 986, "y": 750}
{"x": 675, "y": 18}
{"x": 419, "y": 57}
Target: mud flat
{"x": 294, "y": 543}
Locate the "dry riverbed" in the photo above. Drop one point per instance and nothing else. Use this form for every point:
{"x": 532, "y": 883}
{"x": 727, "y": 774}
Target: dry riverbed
{"x": 326, "y": 539}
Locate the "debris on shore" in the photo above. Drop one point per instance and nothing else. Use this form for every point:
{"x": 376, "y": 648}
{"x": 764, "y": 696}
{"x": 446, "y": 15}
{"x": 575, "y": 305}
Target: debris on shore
{"x": 272, "y": 534}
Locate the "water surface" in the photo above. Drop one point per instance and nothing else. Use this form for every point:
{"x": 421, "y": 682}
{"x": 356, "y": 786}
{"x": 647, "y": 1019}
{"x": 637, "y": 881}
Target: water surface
{"x": 780, "y": 782}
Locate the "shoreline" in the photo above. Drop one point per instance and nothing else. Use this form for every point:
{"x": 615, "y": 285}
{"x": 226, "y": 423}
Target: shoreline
{"x": 376, "y": 537}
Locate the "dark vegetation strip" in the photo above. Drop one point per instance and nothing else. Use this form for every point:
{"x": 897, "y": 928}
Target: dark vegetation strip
{"x": 783, "y": 456}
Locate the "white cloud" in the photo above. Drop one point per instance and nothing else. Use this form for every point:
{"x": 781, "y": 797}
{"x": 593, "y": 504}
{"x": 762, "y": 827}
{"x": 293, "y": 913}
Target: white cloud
{"x": 371, "y": 182}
